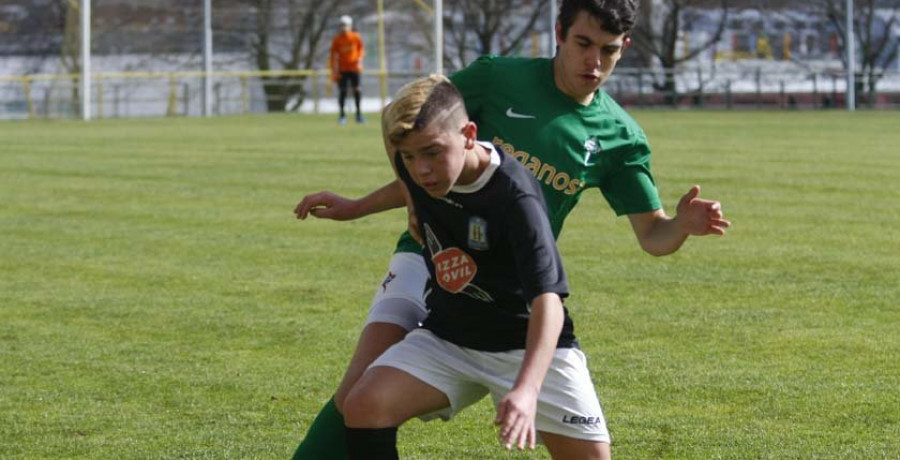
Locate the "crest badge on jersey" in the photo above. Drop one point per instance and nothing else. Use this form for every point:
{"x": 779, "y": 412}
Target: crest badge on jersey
{"x": 478, "y": 233}
{"x": 591, "y": 148}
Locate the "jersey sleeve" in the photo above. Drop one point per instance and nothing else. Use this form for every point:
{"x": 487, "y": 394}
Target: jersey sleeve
{"x": 534, "y": 248}
{"x": 631, "y": 188}
{"x": 474, "y": 83}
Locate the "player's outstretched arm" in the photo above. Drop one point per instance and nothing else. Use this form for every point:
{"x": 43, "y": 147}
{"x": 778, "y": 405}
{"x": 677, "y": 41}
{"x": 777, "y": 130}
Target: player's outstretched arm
{"x": 661, "y": 235}
{"x": 328, "y": 205}
{"x": 516, "y": 412}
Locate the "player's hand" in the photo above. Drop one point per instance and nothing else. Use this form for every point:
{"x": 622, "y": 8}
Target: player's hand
{"x": 700, "y": 217}
{"x": 335, "y": 77}
{"x": 326, "y": 205}
{"x": 515, "y": 416}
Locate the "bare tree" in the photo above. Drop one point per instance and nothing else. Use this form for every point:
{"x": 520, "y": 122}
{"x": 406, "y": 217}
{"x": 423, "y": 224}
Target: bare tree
{"x": 656, "y": 35}
{"x": 289, "y": 35}
{"x": 872, "y": 22}
{"x": 477, "y": 27}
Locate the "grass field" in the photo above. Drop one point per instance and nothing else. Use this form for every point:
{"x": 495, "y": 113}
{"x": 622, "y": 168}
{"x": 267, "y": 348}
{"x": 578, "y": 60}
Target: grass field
{"x": 159, "y": 301}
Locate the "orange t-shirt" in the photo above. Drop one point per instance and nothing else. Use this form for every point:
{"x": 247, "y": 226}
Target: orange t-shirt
{"x": 346, "y": 52}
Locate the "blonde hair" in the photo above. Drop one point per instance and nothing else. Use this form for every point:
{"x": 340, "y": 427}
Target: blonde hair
{"x": 420, "y": 102}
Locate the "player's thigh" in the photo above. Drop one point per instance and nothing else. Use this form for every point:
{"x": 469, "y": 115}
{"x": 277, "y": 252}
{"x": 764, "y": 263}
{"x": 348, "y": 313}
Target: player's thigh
{"x": 374, "y": 340}
{"x": 354, "y": 80}
{"x": 386, "y": 396}
{"x": 343, "y": 82}
{"x": 397, "y": 307}
{"x": 440, "y": 364}
{"x": 564, "y": 447}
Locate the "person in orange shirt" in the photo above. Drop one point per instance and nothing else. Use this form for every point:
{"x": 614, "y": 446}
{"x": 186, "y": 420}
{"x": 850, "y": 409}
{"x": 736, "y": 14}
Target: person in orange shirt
{"x": 346, "y": 65}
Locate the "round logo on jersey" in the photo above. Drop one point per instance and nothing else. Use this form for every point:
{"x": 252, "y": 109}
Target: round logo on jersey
{"x": 454, "y": 269}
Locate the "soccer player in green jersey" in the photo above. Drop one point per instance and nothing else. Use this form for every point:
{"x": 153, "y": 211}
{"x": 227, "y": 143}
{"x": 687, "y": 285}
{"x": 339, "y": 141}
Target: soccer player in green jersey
{"x": 552, "y": 116}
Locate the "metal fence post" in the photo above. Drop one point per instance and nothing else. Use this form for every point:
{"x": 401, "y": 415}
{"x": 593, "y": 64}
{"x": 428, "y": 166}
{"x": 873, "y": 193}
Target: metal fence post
{"x": 700, "y": 87}
{"x": 815, "y": 83}
{"x": 173, "y": 96}
{"x": 185, "y": 93}
{"x": 46, "y": 102}
{"x": 244, "y": 98}
{"x": 315, "y": 85}
{"x": 99, "y": 96}
{"x": 728, "y": 102}
{"x": 116, "y": 100}
{"x": 26, "y": 83}
{"x": 834, "y": 80}
{"x": 217, "y": 101}
{"x": 781, "y": 94}
{"x": 758, "y": 87}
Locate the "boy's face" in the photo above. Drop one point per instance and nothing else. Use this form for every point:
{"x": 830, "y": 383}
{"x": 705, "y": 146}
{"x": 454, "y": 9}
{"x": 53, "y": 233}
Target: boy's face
{"x": 587, "y": 56}
{"x": 435, "y": 156}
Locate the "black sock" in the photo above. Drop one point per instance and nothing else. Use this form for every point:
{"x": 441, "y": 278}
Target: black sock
{"x": 358, "y": 96}
{"x": 342, "y": 96}
{"x": 372, "y": 443}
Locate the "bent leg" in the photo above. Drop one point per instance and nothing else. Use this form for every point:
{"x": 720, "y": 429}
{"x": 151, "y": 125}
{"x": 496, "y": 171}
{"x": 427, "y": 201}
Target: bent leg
{"x": 396, "y": 308}
{"x": 373, "y": 341}
{"x": 381, "y": 401}
{"x": 326, "y": 437}
{"x": 387, "y": 397}
{"x": 564, "y": 447}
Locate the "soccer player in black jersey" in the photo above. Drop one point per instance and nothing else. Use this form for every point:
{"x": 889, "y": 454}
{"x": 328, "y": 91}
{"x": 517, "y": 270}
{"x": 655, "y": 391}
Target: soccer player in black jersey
{"x": 496, "y": 322}
{"x": 554, "y": 116}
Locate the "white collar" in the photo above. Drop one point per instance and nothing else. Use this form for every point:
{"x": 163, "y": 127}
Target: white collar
{"x": 485, "y": 176}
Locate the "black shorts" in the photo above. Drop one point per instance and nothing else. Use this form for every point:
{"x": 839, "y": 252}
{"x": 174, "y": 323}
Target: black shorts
{"x": 350, "y": 79}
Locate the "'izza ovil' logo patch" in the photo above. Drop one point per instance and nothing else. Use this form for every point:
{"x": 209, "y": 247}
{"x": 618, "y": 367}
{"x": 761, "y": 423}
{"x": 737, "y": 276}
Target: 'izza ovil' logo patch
{"x": 454, "y": 270}
{"x": 591, "y": 147}
{"x": 478, "y": 233}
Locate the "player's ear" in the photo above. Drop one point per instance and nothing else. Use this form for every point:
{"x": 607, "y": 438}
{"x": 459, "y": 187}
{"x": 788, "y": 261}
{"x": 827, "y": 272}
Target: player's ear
{"x": 627, "y": 43}
{"x": 470, "y": 131}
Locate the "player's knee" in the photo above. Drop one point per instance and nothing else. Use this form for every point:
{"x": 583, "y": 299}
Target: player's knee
{"x": 339, "y": 397}
{"x": 562, "y": 447}
{"x": 365, "y": 409}
{"x": 598, "y": 451}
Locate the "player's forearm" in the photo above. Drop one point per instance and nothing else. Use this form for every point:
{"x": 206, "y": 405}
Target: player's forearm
{"x": 544, "y": 326}
{"x": 665, "y": 238}
{"x": 657, "y": 233}
{"x": 387, "y": 197}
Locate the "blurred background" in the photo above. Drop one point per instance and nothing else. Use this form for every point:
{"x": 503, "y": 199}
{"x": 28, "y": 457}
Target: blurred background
{"x": 147, "y": 56}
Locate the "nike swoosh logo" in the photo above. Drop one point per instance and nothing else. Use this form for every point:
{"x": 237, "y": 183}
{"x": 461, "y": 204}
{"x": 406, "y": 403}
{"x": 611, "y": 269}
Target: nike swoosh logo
{"x": 511, "y": 114}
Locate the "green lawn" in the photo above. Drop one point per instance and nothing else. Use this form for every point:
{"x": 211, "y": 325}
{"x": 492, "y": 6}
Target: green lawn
{"x": 158, "y": 299}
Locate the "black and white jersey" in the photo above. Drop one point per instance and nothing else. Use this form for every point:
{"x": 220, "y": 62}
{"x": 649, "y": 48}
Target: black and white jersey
{"x": 490, "y": 250}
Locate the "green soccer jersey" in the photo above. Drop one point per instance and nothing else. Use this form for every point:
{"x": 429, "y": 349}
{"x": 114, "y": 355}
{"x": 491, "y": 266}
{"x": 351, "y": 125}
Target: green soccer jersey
{"x": 568, "y": 147}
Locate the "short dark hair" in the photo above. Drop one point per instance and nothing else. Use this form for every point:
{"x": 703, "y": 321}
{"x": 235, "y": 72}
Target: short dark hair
{"x": 420, "y": 102}
{"x": 615, "y": 16}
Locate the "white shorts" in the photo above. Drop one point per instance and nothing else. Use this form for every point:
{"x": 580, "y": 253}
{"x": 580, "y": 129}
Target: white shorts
{"x": 400, "y": 298}
{"x": 567, "y": 403}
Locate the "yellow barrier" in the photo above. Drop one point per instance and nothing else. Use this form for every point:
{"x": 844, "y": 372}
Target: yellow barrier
{"x": 170, "y": 93}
